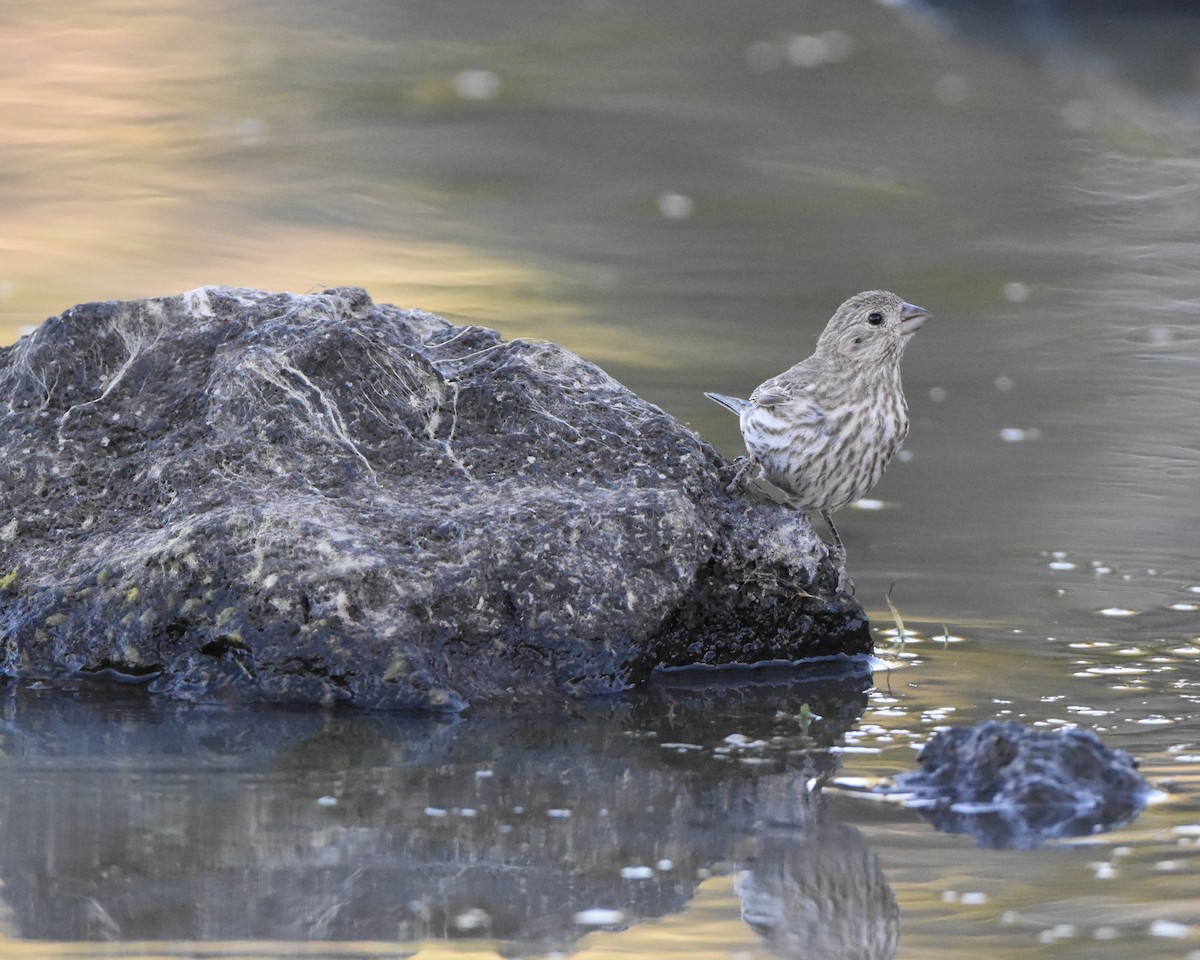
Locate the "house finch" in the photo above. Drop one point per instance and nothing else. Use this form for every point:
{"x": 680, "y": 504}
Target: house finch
{"x": 823, "y": 431}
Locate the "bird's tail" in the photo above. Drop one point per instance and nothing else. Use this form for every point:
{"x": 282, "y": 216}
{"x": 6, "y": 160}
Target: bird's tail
{"x": 733, "y": 404}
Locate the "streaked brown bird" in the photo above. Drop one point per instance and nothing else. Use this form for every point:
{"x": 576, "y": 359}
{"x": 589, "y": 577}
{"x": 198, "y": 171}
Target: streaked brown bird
{"x": 824, "y": 430}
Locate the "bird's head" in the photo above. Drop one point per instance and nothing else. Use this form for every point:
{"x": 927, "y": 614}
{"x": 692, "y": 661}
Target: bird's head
{"x": 871, "y": 328}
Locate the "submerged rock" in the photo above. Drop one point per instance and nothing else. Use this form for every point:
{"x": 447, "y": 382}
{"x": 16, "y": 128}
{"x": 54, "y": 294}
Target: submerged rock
{"x": 1013, "y": 787}
{"x": 254, "y": 496}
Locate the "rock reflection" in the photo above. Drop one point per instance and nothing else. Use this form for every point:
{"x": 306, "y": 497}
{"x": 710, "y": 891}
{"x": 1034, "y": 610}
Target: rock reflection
{"x": 1016, "y": 787}
{"x": 812, "y": 890}
{"x": 127, "y": 818}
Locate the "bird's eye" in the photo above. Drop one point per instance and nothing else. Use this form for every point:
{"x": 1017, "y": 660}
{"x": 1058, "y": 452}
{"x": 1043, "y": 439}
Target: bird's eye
{"x": 875, "y": 319}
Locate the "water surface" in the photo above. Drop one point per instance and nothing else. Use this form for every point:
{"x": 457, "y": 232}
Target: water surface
{"x": 682, "y": 193}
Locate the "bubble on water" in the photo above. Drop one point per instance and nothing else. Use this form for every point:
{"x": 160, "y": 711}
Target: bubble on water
{"x": 1020, "y": 434}
{"x": 808, "y": 51}
{"x": 1061, "y": 565}
{"x": 636, "y": 873}
{"x": 973, "y": 898}
{"x": 472, "y": 919}
{"x": 1170, "y": 929}
{"x": 477, "y": 84}
{"x": 1060, "y": 931}
{"x": 743, "y": 742}
{"x": 327, "y": 801}
{"x": 1185, "y": 606}
{"x": 675, "y": 206}
{"x": 867, "y": 503}
{"x": 805, "y": 51}
{"x": 1015, "y": 291}
{"x": 1117, "y": 612}
{"x": 937, "y": 394}
{"x": 1004, "y": 384}
{"x": 558, "y": 813}
{"x": 434, "y": 812}
{"x": 1112, "y": 672}
{"x": 599, "y": 917}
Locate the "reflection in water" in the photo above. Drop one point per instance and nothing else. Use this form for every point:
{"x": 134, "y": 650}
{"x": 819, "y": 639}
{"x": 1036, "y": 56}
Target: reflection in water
{"x": 814, "y": 891}
{"x": 139, "y": 820}
{"x": 1014, "y": 787}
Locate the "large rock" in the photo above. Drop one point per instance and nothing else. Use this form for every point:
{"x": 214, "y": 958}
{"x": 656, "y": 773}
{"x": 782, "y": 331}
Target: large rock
{"x": 257, "y": 496}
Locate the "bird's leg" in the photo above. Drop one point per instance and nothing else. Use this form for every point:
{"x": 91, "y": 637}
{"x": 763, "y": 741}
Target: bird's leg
{"x": 744, "y": 466}
{"x": 838, "y": 555}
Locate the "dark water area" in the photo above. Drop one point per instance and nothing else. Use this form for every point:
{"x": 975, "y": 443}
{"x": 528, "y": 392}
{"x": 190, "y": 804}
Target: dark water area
{"x": 682, "y": 193}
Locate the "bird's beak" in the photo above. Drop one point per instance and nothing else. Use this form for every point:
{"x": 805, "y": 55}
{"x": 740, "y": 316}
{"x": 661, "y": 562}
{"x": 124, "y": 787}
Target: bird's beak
{"x": 911, "y": 318}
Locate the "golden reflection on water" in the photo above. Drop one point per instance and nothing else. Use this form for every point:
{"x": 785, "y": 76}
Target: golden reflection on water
{"x": 710, "y": 928}
{"x": 147, "y": 155}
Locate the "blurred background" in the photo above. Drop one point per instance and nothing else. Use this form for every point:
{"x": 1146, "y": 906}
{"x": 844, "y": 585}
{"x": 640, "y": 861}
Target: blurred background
{"x": 682, "y": 192}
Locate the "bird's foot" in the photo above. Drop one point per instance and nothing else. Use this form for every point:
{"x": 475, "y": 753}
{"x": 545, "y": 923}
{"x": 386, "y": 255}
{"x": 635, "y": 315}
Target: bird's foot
{"x": 845, "y": 586}
{"x": 744, "y": 466}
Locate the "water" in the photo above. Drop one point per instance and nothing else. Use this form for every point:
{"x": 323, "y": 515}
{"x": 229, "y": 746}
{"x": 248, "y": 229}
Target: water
{"x": 681, "y": 193}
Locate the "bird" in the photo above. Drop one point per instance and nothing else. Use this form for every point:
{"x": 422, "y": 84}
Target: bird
{"x": 823, "y": 431}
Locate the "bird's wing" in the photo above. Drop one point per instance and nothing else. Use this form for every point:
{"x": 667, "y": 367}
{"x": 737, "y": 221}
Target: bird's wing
{"x": 791, "y": 394}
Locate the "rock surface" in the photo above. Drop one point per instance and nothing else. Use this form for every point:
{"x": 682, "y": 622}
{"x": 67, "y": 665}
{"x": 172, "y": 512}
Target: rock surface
{"x": 249, "y": 496}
